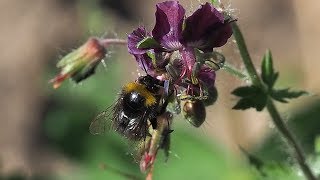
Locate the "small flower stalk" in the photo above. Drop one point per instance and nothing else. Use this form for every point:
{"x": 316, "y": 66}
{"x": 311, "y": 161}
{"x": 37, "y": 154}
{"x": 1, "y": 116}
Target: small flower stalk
{"x": 160, "y": 139}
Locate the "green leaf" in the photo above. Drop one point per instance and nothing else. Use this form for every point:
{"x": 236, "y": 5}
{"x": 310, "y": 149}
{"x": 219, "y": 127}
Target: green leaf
{"x": 268, "y": 75}
{"x": 282, "y": 95}
{"x": 245, "y": 91}
{"x": 253, "y": 160}
{"x": 148, "y": 42}
{"x": 317, "y": 145}
{"x": 251, "y": 97}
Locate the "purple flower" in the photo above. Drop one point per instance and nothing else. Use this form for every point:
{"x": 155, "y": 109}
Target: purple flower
{"x": 207, "y": 76}
{"x": 134, "y": 38}
{"x": 204, "y": 30}
{"x": 144, "y": 56}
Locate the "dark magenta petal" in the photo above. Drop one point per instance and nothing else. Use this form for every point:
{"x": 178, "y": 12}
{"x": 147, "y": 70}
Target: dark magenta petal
{"x": 188, "y": 58}
{"x": 218, "y": 37}
{"x": 207, "y": 76}
{"x": 206, "y": 29}
{"x": 134, "y": 38}
{"x": 145, "y": 63}
{"x": 168, "y": 28}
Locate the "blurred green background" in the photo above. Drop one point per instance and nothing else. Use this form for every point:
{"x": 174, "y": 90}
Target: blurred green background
{"x": 44, "y": 133}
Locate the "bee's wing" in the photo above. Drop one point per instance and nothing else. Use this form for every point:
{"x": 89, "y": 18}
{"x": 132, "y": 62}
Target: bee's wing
{"x": 102, "y": 122}
{"x": 138, "y": 129}
{"x": 138, "y": 148}
{"x": 141, "y": 146}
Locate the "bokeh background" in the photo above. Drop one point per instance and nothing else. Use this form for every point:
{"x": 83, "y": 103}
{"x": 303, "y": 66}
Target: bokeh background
{"x": 44, "y": 132}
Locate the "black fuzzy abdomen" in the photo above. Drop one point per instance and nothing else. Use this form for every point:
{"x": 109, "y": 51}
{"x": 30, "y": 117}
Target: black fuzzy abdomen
{"x": 132, "y": 117}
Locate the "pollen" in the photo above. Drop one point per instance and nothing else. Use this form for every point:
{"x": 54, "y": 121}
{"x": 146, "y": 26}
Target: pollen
{"x": 141, "y": 89}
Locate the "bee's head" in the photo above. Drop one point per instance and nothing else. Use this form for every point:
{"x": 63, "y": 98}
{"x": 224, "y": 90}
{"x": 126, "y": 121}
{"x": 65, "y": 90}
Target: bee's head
{"x": 151, "y": 83}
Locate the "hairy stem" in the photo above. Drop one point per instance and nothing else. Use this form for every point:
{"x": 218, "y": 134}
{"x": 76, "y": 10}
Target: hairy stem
{"x": 235, "y": 72}
{"x": 246, "y": 56}
{"x": 282, "y": 127}
{"x": 108, "y": 42}
{"x": 163, "y": 122}
{"x": 274, "y": 113}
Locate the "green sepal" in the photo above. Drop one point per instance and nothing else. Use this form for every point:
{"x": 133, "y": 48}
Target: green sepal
{"x": 268, "y": 75}
{"x": 195, "y": 71}
{"x": 148, "y": 43}
{"x": 69, "y": 58}
{"x": 214, "y": 60}
{"x": 152, "y": 56}
{"x": 251, "y": 97}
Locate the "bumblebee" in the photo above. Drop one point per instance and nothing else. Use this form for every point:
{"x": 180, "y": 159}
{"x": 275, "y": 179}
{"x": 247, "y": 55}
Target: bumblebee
{"x": 137, "y": 107}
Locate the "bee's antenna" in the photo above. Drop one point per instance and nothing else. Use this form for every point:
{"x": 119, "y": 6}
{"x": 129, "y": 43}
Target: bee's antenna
{"x": 144, "y": 67}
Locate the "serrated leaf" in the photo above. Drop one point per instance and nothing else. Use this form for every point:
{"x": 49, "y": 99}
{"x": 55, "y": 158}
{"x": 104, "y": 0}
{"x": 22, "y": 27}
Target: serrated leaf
{"x": 245, "y": 91}
{"x": 148, "y": 42}
{"x": 251, "y": 97}
{"x": 268, "y": 75}
{"x": 274, "y": 79}
{"x": 275, "y": 170}
{"x": 283, "y": 95}
{"x": 254, "y": 161}
{"x": 258, "y": 103}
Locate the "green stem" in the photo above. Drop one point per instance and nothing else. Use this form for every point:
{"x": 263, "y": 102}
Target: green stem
{"x": 282, "y": 127}
{"x": 246, "y": 56}
{"x": 232, "y": 70}
{"x": 274, "y": 113}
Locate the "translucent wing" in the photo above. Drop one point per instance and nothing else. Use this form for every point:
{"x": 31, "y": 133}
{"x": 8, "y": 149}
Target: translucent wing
{"x": 102, "y": 122}
{"x": 140, "y": 145}
{"x": 137, "y": 148}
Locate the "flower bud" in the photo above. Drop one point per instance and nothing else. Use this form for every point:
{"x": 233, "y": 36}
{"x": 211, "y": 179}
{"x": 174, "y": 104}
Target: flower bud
{"x": 194, "y": 111}
{"x": 81, "y": 63}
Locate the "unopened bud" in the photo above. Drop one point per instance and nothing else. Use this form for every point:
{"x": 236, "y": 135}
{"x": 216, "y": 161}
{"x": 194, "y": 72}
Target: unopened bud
{"x": 81, "y": 63}
{"x": 195, "y": 112}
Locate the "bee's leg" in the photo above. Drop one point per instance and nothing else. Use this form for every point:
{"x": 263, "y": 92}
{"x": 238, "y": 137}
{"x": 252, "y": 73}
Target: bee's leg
{"x": 165, "y": 104}
{"x": 165, "y": 144}
{"x": 153, "y": 122}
